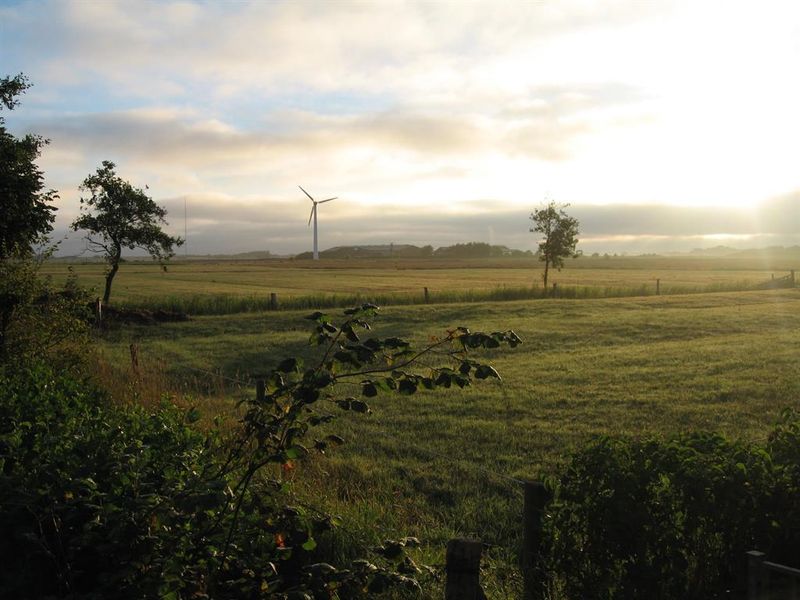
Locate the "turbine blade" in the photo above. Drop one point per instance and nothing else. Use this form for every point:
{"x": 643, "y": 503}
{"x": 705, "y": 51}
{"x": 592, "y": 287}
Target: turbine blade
{"x": 313, "y": 208}
{"x": 306, "y": 193}
{"x": 328, "y": 200}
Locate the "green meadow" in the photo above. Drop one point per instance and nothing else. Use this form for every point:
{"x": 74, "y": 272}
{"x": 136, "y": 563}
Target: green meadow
{"x": 448, "y": 463}
{"x": 225, "y": 287}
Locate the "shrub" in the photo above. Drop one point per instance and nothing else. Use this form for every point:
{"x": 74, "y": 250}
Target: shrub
{"x": 37, "y": 321}
{"x": 673, "y": 519}
{"x": 101, "y": 501}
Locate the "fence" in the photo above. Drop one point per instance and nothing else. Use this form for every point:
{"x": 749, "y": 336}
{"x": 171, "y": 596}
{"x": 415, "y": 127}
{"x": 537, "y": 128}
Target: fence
{"x": 230, "y": 304}
{"x": 787, "y": 281}
{"x": 464, "y": 556}
{"x": 762, "y": 575}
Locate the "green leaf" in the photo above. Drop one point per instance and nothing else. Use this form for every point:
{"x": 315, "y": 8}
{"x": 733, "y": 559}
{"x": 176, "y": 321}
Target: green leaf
{"x": 192, "y": 415}
{"x": 350, "y": 334}
{"x": 444, "y": 379}
{"x": 317, "y": 316}
{"x": 309, "y": 545}
{"x": 283, "y": 553}
{"x": 407, "y": 386}
{"x": 297, "y": 451}
{"x": 428, "y": 383}
{"x": 360, "y": 406}
{"x": 394, "y": 342}
{"x": 289, "y": 365}
{"x": 345, "y": 404}
{"x": 387, "y": 384}
{"x": 486, "y": 371}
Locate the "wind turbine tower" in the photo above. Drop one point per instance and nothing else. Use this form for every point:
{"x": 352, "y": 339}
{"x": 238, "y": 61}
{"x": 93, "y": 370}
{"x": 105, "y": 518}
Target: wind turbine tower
{"x": 313, "y": 216}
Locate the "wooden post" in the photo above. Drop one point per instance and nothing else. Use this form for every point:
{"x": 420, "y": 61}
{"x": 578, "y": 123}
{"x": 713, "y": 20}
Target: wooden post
{"x": 273, "y": 301}
{"x": 536, "y": 498}
{"x": 755, "y": 560}
{"x": 555, "y": 289}
{"x": 658, "y": 287}
{"x": 261, "y": 391}
{"x": 427, "y": 296}
{"x": 135, "y": 358}
{"x": 791, "y": 277}
{"x": 98, "y": 311}
{"x": 463, "y": 565}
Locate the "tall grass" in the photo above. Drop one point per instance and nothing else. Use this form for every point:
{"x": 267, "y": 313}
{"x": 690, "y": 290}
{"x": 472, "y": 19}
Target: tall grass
{"x": 225, "y": 304}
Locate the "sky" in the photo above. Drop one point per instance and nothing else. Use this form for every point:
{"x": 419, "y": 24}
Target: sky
{"x": 665, "y": 125}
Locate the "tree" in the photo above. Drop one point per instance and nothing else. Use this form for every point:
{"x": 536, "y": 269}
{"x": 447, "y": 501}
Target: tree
{"x": 560, "y": 233}
{"x": 118, "y": 215}
{"x": 27, "y": 214}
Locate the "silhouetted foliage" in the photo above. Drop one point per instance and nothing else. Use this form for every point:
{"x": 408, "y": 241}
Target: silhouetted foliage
{"x": 118, "y": 215}
{"x": 27, "y": 214}
{"x": 673, "y": 518}
{"x": 38, "y": 321}
{"x": 560, "y": 233}
{"x": 102, "y": 501}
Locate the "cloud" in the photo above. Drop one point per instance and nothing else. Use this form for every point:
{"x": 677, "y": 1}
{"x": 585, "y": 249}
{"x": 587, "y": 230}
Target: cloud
{"x": 224, "y": 224}
{"x": 420, "y": 110}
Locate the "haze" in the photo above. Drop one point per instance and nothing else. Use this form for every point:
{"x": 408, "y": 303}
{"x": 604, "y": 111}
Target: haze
{"x": 666, "y": 125}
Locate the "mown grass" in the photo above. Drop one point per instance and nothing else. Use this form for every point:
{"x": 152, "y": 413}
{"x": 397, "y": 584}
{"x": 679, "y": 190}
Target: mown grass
{"x": 218, "y": 287}
{"x": 441, "y": 464}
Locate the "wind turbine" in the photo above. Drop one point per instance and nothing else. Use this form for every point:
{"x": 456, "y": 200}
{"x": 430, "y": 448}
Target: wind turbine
{"x": 313, "y": 215}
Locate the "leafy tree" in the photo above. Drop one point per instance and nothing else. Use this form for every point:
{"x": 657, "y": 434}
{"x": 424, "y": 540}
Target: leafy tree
{"x": 27, "y": 214}
{"x": 560, "y": 233}
{"x": 118, "y": 215}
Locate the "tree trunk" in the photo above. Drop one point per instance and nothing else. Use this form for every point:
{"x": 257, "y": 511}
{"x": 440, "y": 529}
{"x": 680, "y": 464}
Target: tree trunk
{"x": 110, "y": 275}
{"x": 546, "y": 269}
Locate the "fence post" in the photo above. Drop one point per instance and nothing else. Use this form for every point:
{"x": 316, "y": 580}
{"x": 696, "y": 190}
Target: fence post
{"x": 427, "y": 296}
{"x": 135, "y": 359}
{"x": 273, "y": 301}
{"x": 98, "y": 312}
{"x": 555, "y": 289}
{"x": 261, "y": 391}
{"x": 658, "y": 287}
{"x": 791, "y": 275}
{"x": 463, "y": 563}
{"x": 755, "y": 560}
{"x": 536, "y": 498}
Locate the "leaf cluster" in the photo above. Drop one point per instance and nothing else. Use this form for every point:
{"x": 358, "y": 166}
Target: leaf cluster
{"x": 104, "y": 501}
{"x": 297, "y": 398}
{"x": 38, "y": 321}
{"x": 118, "y": 215}
{"x": 559, "y": 231}
{"x": 28, "y": 214}
{"x": 674, "y": 518}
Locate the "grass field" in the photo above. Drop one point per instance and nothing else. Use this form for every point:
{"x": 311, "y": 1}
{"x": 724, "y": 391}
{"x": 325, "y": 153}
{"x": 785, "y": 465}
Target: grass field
{"x": 219, "y": 287}
{"x": 442, "y": 464}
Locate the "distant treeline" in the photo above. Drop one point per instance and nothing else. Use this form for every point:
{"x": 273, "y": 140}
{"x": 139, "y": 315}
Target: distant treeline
{"x": 468, "y": 250}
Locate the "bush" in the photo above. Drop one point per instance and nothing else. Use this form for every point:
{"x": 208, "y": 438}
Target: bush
{"x": 102, "y": 501}
{"x": 673, "y": 519}
{"x": 96, "y": 501}
{"x": 39, "y": 322}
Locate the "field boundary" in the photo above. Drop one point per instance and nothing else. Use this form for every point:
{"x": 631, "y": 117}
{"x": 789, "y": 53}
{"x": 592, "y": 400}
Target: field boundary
{"x": 222, "y": 304}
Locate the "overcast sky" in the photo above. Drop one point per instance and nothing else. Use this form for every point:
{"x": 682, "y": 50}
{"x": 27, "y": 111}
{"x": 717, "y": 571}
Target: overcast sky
{"x": 666, "y": 125}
